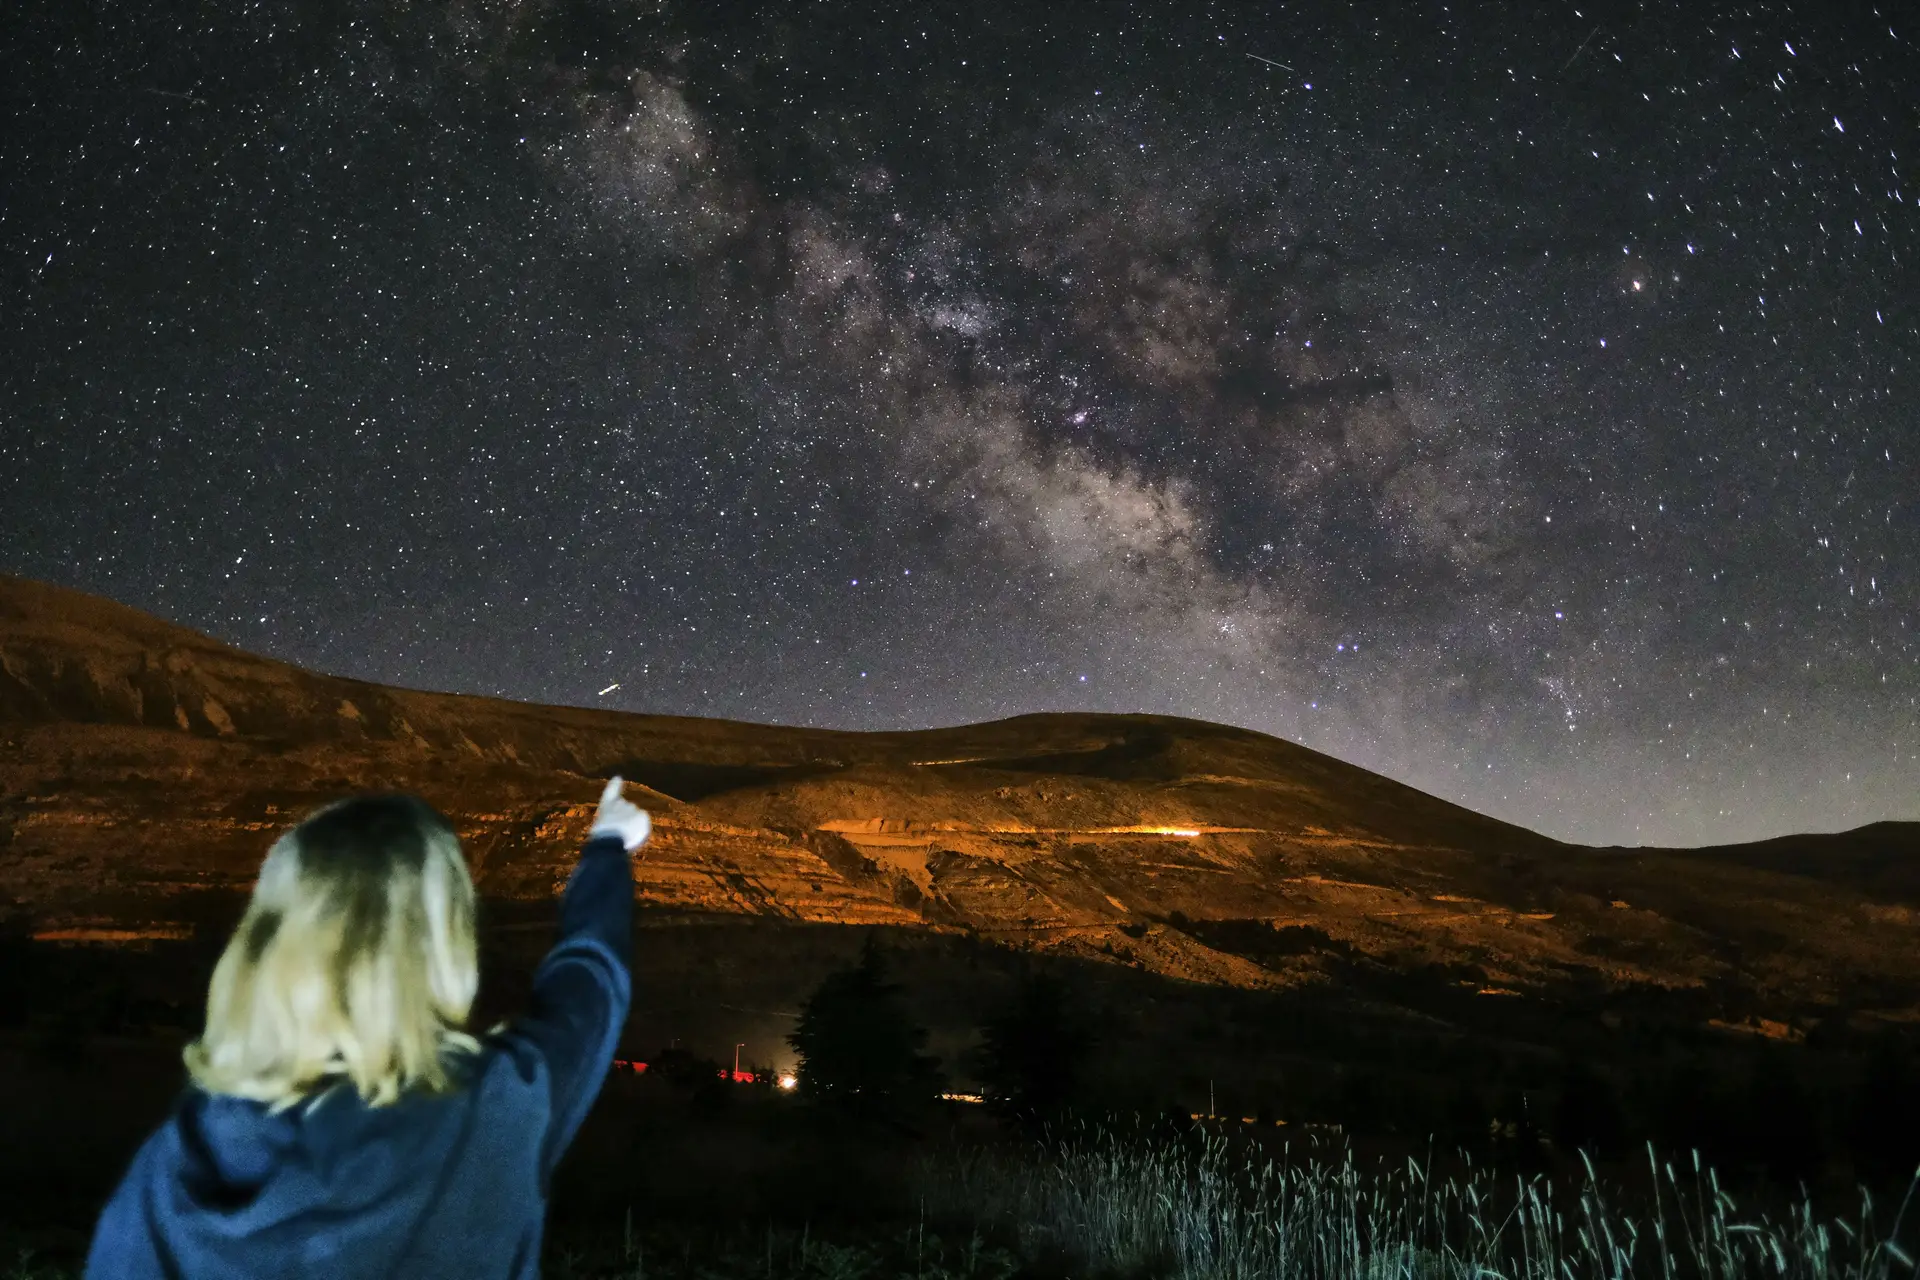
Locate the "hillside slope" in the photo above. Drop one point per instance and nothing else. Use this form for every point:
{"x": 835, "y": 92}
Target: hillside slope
{"x": 144, "y": 768}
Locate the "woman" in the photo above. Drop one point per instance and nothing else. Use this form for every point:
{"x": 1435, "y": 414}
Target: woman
{"x": 342, "y": 1123}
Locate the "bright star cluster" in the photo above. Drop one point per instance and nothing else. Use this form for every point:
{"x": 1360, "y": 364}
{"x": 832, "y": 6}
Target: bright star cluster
{"x": 1517, "y": 402}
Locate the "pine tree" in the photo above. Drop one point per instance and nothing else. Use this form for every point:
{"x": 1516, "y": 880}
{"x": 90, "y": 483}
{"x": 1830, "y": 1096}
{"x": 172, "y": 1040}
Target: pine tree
{"x": 858, "y": 1046}
{"x": 1033, "y": 1057}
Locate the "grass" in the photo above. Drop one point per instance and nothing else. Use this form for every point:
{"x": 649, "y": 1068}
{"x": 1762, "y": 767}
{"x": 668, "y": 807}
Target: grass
{"x": 1167, "y": 1206}
{"x": 1200, "y": 1208}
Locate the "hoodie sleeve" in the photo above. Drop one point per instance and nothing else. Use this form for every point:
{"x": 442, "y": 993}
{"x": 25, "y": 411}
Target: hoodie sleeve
{"x": 582, "y": 989}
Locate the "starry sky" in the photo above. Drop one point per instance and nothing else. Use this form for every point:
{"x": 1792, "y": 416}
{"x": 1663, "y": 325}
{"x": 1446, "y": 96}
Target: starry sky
{"x": 1519, "y": 400}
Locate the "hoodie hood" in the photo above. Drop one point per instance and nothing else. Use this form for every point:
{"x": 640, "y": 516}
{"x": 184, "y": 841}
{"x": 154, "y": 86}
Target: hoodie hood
{"x": 338, "y": 1185}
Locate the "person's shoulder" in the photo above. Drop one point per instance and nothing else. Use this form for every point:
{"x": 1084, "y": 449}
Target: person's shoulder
{"x": 509, "y": 1062}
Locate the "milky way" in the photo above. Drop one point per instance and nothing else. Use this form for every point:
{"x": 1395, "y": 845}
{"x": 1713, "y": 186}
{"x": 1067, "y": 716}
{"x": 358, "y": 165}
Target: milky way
{"x": 1518, "y": 401}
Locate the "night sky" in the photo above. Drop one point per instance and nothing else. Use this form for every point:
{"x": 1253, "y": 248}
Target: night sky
{"x": 1521, "y": 401}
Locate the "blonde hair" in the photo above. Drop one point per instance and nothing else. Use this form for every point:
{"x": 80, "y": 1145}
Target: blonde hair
{"x": 355, "y": 962}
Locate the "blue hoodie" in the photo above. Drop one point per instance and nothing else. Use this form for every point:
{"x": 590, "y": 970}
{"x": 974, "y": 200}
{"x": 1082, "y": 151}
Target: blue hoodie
{"x": 434, "y": 1185}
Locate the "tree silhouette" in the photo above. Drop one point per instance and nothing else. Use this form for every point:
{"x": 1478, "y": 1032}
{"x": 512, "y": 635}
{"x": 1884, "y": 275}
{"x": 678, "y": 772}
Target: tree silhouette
{"x": 702, "y": 1079}
{"x": 858, "y": 1046}
{"x": 1034, "y": 1054}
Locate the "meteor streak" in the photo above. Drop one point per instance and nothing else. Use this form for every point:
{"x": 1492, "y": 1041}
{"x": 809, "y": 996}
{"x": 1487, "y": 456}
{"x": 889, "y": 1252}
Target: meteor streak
{"x": 1580, "y": 48}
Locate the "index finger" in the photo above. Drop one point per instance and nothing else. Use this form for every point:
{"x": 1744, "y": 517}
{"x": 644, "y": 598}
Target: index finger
{"x": 612, "y": 789}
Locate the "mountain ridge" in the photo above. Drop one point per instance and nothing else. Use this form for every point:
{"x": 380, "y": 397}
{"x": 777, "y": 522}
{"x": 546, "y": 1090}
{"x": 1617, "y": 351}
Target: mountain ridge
{"x": 1196, "y": 851}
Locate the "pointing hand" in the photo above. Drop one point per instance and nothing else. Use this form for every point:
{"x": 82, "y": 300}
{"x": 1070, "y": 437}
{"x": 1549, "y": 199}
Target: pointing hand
{"x": 621, "y": 817}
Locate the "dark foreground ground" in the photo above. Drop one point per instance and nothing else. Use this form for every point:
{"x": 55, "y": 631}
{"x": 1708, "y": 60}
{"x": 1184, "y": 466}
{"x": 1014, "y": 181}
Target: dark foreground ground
{"x": 694, "y": 1173}
{"x": 685, "y": 1176}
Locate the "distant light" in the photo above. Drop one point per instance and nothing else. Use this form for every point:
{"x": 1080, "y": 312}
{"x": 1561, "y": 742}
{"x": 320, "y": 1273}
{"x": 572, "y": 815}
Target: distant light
{"x": 789, "y": 1082}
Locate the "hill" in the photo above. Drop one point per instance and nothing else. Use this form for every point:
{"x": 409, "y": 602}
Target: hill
{"x": 145, "y": 767}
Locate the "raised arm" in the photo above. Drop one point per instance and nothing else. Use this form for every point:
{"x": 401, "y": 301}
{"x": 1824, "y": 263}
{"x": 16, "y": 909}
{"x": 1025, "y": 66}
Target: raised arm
{"x": 582, "y": 989}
